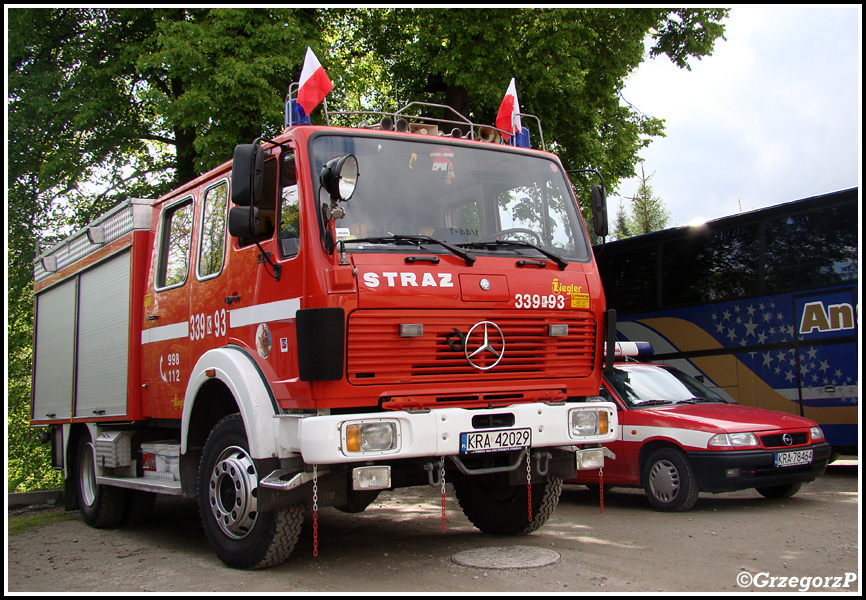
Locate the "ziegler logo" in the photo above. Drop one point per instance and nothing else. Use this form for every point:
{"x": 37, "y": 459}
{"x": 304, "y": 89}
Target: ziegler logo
{"x": 483, "y": 346}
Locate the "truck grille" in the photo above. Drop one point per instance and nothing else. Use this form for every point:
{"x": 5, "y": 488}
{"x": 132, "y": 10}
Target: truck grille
{"x": 376, "y": 354}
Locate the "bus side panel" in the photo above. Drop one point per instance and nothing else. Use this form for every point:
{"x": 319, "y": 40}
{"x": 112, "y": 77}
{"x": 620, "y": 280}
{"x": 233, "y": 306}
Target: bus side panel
{"x": 793, "y": 354}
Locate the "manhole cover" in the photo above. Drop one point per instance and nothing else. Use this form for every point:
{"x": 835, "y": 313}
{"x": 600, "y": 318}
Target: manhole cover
{"x": 507, "y": 557}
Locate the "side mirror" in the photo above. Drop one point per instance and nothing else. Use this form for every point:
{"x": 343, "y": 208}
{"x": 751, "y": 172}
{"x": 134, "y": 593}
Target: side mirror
{"x": 599, "y": 210}
{"x": 245, "y": 222}
{"x": 247, "y": 174}
{"x": 340, "y": 177}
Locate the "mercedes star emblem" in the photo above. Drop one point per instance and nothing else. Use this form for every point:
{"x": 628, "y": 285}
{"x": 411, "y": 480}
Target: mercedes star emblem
{"x": 491, "y": 346}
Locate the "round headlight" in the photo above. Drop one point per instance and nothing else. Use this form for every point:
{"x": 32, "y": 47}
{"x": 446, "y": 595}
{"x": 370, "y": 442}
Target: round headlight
{"x": 340, "y": 176}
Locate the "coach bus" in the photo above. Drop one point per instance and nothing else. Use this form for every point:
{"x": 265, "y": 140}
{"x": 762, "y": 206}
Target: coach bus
{"x": 761, "y": 306}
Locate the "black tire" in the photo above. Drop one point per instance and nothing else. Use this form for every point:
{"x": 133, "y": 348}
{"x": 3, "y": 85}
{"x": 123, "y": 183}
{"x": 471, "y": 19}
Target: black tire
{"x": 101, "y": 506}
{"x": 496, "y": 508}
{"x": 139, "y": 507}
{"x": 669, "y": 481}
{"x": 785, "y": 490}
{"x": 240, "y": 535}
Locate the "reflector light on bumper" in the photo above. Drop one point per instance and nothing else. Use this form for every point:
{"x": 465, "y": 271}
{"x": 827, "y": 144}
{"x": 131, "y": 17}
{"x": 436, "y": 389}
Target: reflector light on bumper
{"x": 371, "y": 478}
{"x": 589, "y": 459}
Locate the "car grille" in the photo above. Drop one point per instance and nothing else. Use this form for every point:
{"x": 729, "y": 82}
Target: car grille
{"x": 376, "y": 353}
{"x": 776, "y": 441}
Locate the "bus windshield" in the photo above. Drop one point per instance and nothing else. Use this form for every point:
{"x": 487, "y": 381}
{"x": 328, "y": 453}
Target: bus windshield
{"x": 498, "y": 200}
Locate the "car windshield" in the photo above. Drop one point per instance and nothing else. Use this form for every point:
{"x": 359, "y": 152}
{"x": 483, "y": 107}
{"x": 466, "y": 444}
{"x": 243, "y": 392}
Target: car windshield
{"x": 649, "y": 385}
{"x": 484, "y": 199}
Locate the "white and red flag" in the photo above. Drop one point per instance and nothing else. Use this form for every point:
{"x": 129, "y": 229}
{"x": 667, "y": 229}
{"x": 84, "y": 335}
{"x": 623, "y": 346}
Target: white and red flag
{"x": 508, "y": 119}
{"x": 315, "y": 84}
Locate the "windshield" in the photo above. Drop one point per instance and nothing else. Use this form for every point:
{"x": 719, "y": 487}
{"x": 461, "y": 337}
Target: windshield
{"x": 644, "y": 384}
{"x": 462, "y": 195}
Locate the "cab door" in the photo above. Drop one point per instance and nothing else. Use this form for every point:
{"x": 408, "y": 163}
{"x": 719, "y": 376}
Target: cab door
{"x": 208, "y": 322}
{"x": 265, "y": 277}
{"x": 165, "y": 331}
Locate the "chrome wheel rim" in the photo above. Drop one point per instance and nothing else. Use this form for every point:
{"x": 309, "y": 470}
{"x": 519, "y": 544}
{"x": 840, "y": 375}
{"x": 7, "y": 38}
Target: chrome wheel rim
{"x": 232, "y": 491}
{"x": 87, "y": 475}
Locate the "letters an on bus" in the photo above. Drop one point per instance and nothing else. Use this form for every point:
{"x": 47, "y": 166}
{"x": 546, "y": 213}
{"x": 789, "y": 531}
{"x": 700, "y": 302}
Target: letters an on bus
{"x": 835, "y": 317}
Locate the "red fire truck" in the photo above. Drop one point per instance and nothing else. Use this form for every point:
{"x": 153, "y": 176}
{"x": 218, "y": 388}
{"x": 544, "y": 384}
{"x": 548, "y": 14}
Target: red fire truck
{"x": 333, "y": 313}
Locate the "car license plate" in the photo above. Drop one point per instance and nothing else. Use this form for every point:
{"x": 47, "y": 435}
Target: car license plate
{"x": 793, "y": 458}
{"x": 502, "y": 440}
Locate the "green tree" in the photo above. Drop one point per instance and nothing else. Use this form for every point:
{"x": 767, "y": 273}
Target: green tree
{"x": 621, "y": 226}
{"x": 648, "y": 211}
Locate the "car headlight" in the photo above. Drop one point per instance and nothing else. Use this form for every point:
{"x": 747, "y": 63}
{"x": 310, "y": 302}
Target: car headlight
{"x": 588, "y": 423}
{"x": 817, "y": 434}
{"x": 733, "y": 440}
{"x": 370, "y": 436}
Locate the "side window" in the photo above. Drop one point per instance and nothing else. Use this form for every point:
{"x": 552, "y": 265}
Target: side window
{"x": 176, "y": 242}
{"x": 213, "y": 231}
{"x": 290, "y": 231}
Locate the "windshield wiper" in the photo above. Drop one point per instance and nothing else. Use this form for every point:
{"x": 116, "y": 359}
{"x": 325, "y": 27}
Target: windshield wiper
{"x": 652, "y": 403}
{"x": 416, "y": 240}
{"x": 560, "y": 261}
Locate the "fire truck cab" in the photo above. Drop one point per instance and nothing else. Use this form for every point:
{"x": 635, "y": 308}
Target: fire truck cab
{"x": 335, "y": 312}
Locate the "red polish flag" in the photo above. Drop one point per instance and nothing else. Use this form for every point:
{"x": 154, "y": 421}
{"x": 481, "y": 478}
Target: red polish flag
{"x": 315, "y": 84}
{"x": 508, "y": 119}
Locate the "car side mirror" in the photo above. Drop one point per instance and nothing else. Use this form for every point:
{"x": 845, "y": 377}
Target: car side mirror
{"x": 599, "y": 211}
{"x": 247, "y": 174}
{"x": 245, "y": 222}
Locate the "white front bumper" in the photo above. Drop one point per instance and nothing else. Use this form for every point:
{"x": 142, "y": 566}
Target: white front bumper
{"x": 435, "y": 433}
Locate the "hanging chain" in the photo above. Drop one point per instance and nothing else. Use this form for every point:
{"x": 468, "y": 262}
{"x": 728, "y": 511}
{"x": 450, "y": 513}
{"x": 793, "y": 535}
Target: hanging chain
{"x": 442, "y": 486}
{"x": 601, "y": 488}
{"x": 315, "y": 510}
{"x": 529, "y": 485}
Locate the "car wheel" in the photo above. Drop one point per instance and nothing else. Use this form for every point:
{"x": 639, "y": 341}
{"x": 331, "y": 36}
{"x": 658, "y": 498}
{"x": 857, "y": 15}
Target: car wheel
{"x": 785, "y": 490}
{"x": 669, "y": 481}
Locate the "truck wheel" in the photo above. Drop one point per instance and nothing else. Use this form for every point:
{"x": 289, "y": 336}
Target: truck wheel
{"x": 496, "y": 508}
{"x": 100, "y": 505}
{"x": 240, "y": 535}
{"x": 669, "y": 481}
{"x": 785, "y": 490}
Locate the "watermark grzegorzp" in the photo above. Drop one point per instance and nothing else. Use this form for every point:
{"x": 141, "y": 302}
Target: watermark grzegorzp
{"x": 802, "y": 584}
